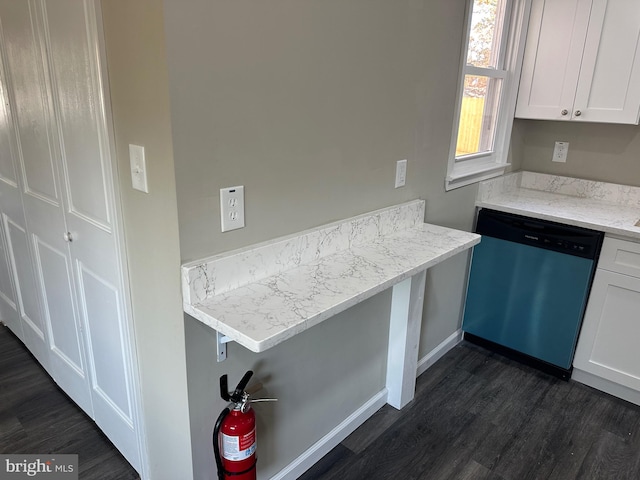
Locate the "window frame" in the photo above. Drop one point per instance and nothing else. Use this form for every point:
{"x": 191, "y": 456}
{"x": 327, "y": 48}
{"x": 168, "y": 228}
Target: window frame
{"x": 473, "y": 168}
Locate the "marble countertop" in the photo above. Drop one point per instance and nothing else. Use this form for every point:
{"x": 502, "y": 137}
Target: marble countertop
{"x": 610, "y": 208}
{"x": 278, "y": 289}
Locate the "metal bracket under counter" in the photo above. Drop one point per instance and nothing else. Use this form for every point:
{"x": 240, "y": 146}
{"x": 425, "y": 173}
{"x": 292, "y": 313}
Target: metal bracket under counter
{"x": 263, "y": 295}
{"x": 221, "y": 346}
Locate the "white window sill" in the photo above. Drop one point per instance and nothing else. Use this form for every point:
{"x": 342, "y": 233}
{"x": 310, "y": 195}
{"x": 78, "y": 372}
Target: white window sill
{"x": 463, "y": 175}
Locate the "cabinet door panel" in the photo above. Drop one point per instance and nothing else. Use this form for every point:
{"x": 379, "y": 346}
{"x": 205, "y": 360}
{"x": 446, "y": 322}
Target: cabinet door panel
{"x": 609, "y": 84}
{"x": 620, "y": 256}
{"x": 608, "y": 345}
{"x": 552, "y": 57}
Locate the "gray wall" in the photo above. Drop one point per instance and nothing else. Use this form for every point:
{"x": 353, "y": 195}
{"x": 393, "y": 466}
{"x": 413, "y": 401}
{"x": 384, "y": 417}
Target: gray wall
{"x": 309, "y": 104}
{"x": 134, "y": 38}
{"x": 609, "y": 153}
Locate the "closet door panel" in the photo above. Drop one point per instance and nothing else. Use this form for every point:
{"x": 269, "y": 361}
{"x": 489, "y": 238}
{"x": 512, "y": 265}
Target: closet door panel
{"x": 74, "y": 79}
{"x": 100, "y": 304}
{"x": 30, "y": 98}
{"x": 26, "y": 290}
{"x": 8, "y": 306}
{"x": 65, "y": 340}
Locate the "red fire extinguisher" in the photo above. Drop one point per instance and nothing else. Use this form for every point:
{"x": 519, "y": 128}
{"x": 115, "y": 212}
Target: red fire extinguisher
{"x": 234, "y": 434}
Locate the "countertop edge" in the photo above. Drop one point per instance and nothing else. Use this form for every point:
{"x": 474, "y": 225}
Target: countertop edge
{"x": 565, "y": 219}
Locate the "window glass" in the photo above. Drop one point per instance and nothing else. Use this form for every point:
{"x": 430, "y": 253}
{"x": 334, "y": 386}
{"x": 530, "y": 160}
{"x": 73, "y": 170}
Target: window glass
{"x": 485, "y": 35}
{"x": 478, "y": 114}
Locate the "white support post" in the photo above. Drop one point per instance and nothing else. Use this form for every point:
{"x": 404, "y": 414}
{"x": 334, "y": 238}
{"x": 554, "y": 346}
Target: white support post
{"x": 404, "y": 336}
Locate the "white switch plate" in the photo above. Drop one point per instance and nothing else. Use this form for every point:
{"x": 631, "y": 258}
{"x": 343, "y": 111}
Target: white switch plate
{"x": 231, "y": 208}
{"x": 138, "y": 168}
{"x": 401, "y": 173}
{"x": 560, "y": 152}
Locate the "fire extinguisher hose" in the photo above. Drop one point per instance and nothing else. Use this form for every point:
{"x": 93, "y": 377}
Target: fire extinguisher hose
{"x": 216, "y": 444}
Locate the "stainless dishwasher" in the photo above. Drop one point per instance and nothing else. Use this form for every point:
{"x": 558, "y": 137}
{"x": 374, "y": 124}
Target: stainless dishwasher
{"x": 528, "y": 287}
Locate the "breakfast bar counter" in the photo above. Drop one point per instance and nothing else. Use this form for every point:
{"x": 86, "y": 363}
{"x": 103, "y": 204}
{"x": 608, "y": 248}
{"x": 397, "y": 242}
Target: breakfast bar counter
{"x": 262, "y": 295}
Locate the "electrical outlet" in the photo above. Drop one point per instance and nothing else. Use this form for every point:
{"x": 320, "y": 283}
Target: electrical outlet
{"x": 231, "y": 208}
{"x": 401, "y": 173}
{"x": 560, "y": 152}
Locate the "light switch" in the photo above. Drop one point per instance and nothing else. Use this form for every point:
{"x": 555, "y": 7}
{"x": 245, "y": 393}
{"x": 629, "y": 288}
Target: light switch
{"x": 138, "y": 168}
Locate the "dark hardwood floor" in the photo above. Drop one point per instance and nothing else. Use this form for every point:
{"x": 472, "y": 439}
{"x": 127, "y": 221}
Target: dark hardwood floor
{"x": 37, "y": 417}
{"x": 478, "y": 415}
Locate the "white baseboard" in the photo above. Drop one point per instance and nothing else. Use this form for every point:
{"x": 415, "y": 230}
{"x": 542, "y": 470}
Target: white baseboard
{"x": 606, "y": 386}
{"x": 323, "y": 446}
{"x": 437, "y": 353}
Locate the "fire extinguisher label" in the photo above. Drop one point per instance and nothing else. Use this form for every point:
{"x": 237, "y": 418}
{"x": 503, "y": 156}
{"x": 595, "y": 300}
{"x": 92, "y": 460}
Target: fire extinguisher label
{"x": 239, "y": 448}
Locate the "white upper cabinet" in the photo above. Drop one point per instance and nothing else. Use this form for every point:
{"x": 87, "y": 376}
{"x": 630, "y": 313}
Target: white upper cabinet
{"x": 582, "y": 62}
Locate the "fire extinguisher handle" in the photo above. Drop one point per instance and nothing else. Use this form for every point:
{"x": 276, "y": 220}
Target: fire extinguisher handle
{"x": 224, "y": 388}
{"x": 239, "y": 392}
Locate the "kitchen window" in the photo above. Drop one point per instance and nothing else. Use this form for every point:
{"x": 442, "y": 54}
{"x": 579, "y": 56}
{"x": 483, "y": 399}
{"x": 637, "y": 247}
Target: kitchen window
{"x": 490, "y": 70}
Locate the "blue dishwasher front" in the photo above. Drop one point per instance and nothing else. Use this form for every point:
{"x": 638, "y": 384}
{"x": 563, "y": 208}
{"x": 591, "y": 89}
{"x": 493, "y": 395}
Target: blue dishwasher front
{"x": 528, "y": 286}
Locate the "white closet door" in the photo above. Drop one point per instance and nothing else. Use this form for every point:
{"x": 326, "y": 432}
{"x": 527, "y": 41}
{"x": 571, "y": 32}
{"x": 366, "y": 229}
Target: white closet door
{"x": 10, "y": 206}
{"x": 52, "y": 61}
{"x": 20, "y": 61}
{"x": 89, "y": 212}
{"x": 38, "y": 154}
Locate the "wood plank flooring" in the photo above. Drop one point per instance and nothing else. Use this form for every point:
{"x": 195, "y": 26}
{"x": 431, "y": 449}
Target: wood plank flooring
{"x": 478, "y": 415}
{"x": 37, "y": 417}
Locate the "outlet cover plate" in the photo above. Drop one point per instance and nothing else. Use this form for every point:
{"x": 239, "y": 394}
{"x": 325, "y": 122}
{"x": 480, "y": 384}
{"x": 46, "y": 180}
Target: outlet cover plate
{"x": 401, "y": 173}
{"x": 231, "y": 208}
{"x": 560, "y": 151}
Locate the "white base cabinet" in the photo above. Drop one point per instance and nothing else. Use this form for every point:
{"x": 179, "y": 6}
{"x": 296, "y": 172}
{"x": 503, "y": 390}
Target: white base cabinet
{"x": 608, "y": 344}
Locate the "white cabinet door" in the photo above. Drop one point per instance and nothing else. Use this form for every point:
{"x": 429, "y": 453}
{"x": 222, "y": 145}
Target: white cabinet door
{"x": 552, "y": 57}
{"x": 609, "y": 84}
{"x": 608, "y": 344}
{"x": 581, "y": 62}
